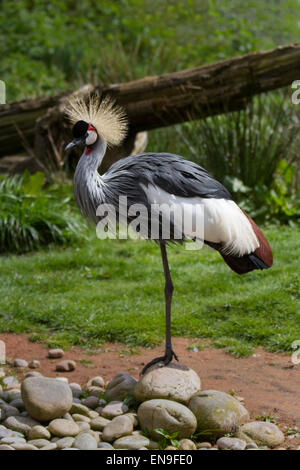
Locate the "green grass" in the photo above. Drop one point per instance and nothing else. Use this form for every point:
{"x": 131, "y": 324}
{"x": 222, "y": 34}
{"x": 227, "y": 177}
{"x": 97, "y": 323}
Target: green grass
{"x": 112, "y": 290}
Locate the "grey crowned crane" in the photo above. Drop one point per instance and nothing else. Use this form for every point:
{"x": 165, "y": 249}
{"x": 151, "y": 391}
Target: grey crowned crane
{"x": 159, "y": 178}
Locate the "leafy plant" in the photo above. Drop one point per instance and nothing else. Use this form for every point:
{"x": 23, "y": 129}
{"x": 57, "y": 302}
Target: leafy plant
{"x": 167, "y": 439}
{"x": 31, "y": 217}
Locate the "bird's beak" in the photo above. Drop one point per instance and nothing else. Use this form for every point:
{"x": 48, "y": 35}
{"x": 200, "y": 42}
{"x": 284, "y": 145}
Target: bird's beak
{"x": 75, "y": 143}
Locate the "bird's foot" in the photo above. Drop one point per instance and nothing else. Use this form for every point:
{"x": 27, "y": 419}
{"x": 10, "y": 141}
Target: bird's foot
{"x": 166, "y": 359}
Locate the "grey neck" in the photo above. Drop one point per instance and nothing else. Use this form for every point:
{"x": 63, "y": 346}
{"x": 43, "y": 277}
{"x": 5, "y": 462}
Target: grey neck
{"x": 90, "y": 162}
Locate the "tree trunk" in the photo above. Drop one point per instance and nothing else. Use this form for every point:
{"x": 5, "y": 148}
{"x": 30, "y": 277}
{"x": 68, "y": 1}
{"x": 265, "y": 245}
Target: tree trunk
{"x": 152, "y": 102}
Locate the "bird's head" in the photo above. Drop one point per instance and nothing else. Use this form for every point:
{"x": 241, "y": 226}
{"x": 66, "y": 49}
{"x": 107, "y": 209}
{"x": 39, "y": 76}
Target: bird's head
{"x": 95, "y": 119}
{"x": 84, "y": 134}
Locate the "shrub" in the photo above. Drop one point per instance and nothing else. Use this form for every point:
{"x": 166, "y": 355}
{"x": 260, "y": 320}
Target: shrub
{"x": 31, "y": 217}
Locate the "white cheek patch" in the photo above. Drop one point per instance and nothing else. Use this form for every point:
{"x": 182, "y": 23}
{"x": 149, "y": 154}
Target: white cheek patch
{"x": 91, "y": 138}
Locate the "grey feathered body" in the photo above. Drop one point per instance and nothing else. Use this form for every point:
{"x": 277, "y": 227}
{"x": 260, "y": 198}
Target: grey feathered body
{"x": 129, "y": 176}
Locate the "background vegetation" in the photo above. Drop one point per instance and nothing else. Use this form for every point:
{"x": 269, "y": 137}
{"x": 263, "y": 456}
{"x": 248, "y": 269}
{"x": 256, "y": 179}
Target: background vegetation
{"x": 94, "y": 291}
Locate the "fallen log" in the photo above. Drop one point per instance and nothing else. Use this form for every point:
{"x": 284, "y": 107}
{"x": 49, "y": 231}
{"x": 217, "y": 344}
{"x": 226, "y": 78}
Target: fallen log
{"x": 153, "y": 102}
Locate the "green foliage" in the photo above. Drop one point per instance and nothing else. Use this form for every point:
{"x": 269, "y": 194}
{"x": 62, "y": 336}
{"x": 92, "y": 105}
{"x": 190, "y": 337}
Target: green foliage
{"x": 51, "y": 46}
{"x": 31, "y": 217}
{"x": 167, "y": 438}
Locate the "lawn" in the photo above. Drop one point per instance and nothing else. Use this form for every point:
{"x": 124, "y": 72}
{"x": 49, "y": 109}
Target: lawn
{"x": 110, "y": 290}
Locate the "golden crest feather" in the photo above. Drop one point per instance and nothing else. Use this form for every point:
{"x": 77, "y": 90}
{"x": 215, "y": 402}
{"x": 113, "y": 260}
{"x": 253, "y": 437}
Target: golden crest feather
{"x": 108, "y": 119}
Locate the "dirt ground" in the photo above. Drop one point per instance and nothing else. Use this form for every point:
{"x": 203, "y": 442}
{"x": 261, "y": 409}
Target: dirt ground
{"x": 269, "y": 383}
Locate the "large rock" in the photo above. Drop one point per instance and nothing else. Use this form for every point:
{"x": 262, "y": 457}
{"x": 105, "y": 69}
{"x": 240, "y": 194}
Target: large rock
{"x": 262, "y": 433}
{"x": 168, "y": 415}
{"x": 217, "y": 413}
{"x": 118, "y": 427}
{"x": 46, "y": 398}
{"x": 174, "y": 382}
{"x": 120, "y": 386}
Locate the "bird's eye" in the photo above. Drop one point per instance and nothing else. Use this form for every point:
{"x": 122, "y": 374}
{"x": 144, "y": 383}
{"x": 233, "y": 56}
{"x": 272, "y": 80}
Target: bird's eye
{"x": 91, "y": 138}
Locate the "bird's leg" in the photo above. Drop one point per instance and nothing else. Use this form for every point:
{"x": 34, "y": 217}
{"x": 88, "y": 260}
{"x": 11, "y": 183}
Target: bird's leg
{"x": 169, "y": 353}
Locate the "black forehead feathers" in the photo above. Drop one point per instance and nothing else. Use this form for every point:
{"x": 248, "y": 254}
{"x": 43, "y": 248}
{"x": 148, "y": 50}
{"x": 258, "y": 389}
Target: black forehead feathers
{"x": 80, "y": 129}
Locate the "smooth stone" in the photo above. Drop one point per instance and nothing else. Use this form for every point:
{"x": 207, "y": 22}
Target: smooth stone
{"x": 203, "y": 445}
{"x": 113, "y": 409}
{"x": 24, "y": 446}
{"x": 133, "y": 442}
{"x": 251, "y": 445}
{"x": 34, "y": 364}
{"x": 20, "y": 423}
{"x": 75, "y": 386}
{"x": 97, "y": 381}
{"x": 217, "y": 411}
{"x": 63, "y": 428}
{"x": 83, "y": 426}
{"x": 65, "y": 442}
{"x": 174, "y": 382}
{"x": 6, "y": 447}
{"x": 231, "y": 443}
{"x": 262, "y": 433}
{"x": 49, "y": 446}
{"x": 98, "y": 424}
{"x": 85, "y": 442}
{"x": 118, "y": 427}
{"x": 133, "y": 417}
{"x": 7, "y": 411}
{"x": 39, "y": 432}
{"x": 39, "y": 442}
{"x": 78, "y": 408}
{"x": 10, "y": 381}
{"x": 18, "y": 403}
{"x": 105, "y": 445}
{"x": 120, "y": 386}
{"x": 83, "y": 418}
{"x": 187, "y": 444}
{"x": 65, "y": 366}
{"x": 5, "y": 433}
{"x": 12, "y": 440}
{"x": 46, "y": 398}
{"x": 55, "y": 353}
{"x": 90, "y": 402}
{"x": 20, "y": 363}
{"x": 33, "y": 373}
{"x": 168, "y": 415}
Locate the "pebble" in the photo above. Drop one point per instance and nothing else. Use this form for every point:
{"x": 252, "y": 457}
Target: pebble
{"x": 33, "y": 373}
{"x": 39, "y": 442}
{"x": 63, "y": 428}
{"x": 83, "y": 426}
{"x": 231, "y": 443}
{"x": 99, "y": 423}
{"x": 10, "y": 381}
{"x": 39, "y": 432}
{"x": 34, "y": 364}
{"x": 20, "y": 363}
{"x": 50, "y": 446}
{"x": 65, "y": 442}
{"x": 20, "y": 423}
{"x": 105, "y": 445}
{"x": 55, "y": 353}
{"x": 78, "y": 408}
{"x": 65, "y": 366}
{"x": 84, "y": 441}
{"x": 24, "y": 446}
{"x": 78, "y": 417}
{"x": 187, "y": 444}
{"x": 118, "y": 427}
{"x": 122, "y": 385}
{"x": 91, "y": 402}
{"x": 113, "y": 409}
{"x": 133, "y": 442}
{"x": 6, "y": 447}
{"x": 97, "y": 381}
